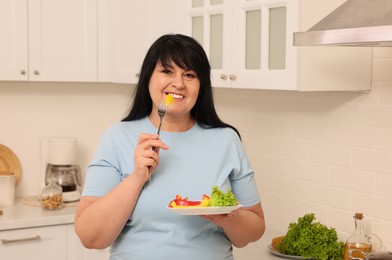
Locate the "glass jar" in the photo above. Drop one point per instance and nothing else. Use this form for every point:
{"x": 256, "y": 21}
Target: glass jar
{"x": 52, "y": 195}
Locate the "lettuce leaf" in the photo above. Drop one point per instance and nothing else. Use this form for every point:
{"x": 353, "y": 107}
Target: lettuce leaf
{"x": 222, "y": 199}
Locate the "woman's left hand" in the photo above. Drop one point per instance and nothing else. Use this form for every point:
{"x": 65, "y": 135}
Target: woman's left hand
{"x": 241, "y": 226}
{"x": 221, "y": 219}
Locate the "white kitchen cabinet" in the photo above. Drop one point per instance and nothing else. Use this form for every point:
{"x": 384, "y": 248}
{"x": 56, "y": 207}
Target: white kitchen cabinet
{"x": 50, "y": 242}
{"x": 48, "y": 40}
{"x": 13, "y": 44}
{"x": 132, "y": 27}
{"x": 166, "y": 17}
{"x": 250, "y": 45}
{"x": 245, "y": 40}
{"x": 128, "y": 28}
{"x": 44, "y": 243}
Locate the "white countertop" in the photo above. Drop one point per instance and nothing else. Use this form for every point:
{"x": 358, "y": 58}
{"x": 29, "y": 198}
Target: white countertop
{"x": 21, "y": 215}
{"x": 259, "y": 249}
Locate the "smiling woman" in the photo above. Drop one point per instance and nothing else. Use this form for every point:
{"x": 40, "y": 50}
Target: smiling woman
{"x": 129, "y": 184}
{"x": 182, "y": 85}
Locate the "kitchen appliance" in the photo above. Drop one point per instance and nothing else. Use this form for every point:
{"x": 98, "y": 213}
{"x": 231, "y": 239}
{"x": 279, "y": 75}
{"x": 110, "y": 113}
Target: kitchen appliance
{"x": 58, "y": 161}
{"x": 355, "y": 22}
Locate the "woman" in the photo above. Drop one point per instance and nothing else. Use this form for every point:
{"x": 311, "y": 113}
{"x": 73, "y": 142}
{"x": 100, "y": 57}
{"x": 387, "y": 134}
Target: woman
{"x": 129, "y": 185}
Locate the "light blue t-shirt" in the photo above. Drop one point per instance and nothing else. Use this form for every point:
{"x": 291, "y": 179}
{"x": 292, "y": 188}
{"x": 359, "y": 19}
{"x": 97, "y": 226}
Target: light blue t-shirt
{"x": 197, "y": 160}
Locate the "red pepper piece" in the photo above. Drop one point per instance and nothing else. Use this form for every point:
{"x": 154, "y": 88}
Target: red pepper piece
{"x": 192, "y": 203}
{"x": 184, "y": 202}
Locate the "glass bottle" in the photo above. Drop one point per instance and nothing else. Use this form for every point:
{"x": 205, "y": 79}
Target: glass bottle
{"x": 52, "y": 195}
{"x": 358, "y": 240}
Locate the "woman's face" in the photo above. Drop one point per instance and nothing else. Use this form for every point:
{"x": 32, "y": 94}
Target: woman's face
{"x": 182, "y": 85}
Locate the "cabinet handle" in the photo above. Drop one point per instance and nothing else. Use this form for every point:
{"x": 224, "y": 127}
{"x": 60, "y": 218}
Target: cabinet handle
{"x": 36, "y": 72}
{"x": 8, "y": 241}
{"x": 22, "y": 72}
{"x": 223, "y": 76}
{"x": 232, "y": 77}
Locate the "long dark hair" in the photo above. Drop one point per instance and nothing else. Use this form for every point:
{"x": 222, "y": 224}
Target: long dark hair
{"x": 187, "y": 54}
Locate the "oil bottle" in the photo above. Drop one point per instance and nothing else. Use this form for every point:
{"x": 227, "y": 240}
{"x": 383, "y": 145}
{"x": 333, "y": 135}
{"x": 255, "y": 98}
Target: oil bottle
{"x": 358, "y": 240}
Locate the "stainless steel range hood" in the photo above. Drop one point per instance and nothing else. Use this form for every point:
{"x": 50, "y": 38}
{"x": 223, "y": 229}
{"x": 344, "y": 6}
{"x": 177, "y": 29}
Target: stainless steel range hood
{"x": 354, "y": 23}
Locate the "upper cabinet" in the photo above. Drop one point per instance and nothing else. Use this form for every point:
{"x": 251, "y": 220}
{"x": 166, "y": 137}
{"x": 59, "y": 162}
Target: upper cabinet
{"x": 250, "y": 45}
{"x": 246, "y": 41}
{"x": 126, "y": 28}
{"x": 132, "y": 27}
{"x": 13, "y": 44}
{"x": 48, "y": 40}
{"x": 249, "y": 42}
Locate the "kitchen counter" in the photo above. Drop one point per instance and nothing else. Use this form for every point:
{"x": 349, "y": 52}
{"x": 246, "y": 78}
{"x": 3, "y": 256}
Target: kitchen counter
{"x": 259, "y": 249}
{"x": 21, "y": 216}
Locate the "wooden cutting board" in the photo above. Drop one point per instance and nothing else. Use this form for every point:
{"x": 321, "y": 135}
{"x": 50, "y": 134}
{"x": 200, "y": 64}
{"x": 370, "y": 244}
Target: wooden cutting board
{"x": 9, "y": 163}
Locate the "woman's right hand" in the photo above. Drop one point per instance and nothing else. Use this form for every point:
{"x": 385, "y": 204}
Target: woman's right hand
{"x": 145, "y": 158}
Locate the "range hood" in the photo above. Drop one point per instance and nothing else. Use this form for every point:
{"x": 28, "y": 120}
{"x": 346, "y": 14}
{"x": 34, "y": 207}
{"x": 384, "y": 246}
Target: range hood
{"x": 354, "y": 23}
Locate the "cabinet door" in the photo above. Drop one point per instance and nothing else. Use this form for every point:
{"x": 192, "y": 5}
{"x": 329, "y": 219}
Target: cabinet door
{"x": 166, "y": 17}
{"x": 128, "y": 39}
{"x": 132, "y": 27}
{"x": 248, "y": 42}
{"x": 262, "y": 50}
{"x": 63, "y": 40}
{"x": 75, "y": 249}
{"x": 44, "y": 243}
{"x": 209, "y": 22}
{"x": 13, "y": 44}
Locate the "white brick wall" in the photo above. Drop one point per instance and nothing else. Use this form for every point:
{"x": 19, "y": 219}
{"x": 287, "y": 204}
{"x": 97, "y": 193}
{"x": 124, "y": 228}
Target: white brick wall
{"x": 329, "y": 153}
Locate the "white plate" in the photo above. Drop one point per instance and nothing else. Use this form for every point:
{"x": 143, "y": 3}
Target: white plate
{"x": 205, "y": 210}
{"x": 277, "y": 253}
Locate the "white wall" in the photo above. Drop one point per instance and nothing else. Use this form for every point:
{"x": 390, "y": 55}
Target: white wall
{"x": 329, "y": 153}
{"x": 30, "y": 111}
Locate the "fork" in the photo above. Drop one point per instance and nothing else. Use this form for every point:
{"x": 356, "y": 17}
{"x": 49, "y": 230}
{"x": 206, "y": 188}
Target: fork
{"x": 161, "y": 114}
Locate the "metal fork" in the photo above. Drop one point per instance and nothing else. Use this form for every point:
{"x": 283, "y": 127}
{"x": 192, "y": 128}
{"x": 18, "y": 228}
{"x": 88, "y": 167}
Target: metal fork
{"x": 161, "y": 114}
